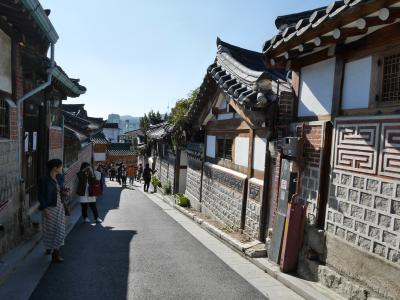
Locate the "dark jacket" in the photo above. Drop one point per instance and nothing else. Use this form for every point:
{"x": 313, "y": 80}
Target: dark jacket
{"x": 47, "y": 192}
{"x": 84, "y": 178}
{"x": 147, "y": 174}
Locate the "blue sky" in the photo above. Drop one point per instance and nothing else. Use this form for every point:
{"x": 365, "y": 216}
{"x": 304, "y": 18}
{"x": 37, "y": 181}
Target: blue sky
{"x": 134, "y": 56}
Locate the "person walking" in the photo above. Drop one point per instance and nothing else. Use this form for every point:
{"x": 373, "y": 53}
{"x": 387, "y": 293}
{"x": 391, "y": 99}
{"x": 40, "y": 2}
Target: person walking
{"x": 146, "y": 177}
{"x": 131, "y": 174}
{"x": 112, "y": 172}
{"x": 124, "y": 174}
{"x": 139, "y": 172}
{"x": 119, "y": 174}
{"x": 53, "y": 213}
{"x": 86, "y": 177}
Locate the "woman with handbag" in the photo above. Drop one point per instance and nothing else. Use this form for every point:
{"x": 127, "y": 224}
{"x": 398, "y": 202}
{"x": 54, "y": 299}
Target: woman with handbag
{"x": 87, "y": 191}
{"x": 53, "y": 214}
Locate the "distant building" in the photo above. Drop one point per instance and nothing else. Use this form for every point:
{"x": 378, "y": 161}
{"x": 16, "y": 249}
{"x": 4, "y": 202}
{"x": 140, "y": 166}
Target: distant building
{"x": 111, "y": 132}
{"x": 113, "y": 118}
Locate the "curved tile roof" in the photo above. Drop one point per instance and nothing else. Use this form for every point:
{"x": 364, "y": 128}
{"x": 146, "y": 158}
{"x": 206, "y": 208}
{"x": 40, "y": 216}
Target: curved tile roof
{"x": 300, "y": 26}
{"x": 242, "y": 74}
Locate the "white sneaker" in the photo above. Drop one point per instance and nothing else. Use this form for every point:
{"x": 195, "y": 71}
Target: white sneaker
{"x": 98, "y": 220}
{"x": 87, "y": 220}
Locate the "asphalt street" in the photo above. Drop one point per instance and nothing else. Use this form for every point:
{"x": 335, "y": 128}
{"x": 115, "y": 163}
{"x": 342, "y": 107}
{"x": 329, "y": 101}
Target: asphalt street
{"x": 138, "y": 252}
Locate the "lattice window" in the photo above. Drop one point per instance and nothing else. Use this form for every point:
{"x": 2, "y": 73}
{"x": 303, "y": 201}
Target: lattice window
{"x": 224, "y": 148}
{"x": 4, "y": 119}
{"x": 391, "y": 79}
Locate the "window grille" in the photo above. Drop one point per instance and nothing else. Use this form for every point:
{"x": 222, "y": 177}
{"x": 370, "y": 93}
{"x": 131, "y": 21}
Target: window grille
{"x": 391, "y": 79}
{"x": 224, "y": 148}
{"x": 4, "y": 120}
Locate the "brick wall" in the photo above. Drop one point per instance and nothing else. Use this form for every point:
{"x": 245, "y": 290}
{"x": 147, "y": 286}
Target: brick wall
{"x": 313, "y": 143}
{"x": 285, "y": 111}
{"x": 223, "y": 194}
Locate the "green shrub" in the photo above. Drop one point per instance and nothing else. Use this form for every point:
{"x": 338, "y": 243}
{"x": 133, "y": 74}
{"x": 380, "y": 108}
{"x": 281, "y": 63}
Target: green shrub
{"x": 155, "y": 181}
{"x": 167, "y": 188}
{"x": 182, "y": 200}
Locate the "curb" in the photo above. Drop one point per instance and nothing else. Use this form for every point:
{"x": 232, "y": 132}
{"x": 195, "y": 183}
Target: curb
{"x": 306, "y": 289}
{"x": 17, "y": 255}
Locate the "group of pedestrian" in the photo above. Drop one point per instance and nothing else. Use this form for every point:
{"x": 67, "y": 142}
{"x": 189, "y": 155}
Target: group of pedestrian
{"x": 52, "y": 196}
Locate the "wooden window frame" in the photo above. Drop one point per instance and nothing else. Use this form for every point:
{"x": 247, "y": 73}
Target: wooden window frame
{"x": 376, "y": 87}
{"x": 5, "y": 119}
{"x": 224, "y": 154}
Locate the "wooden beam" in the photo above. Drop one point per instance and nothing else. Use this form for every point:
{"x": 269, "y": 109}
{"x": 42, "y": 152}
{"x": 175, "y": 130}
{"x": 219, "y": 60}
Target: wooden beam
{"x": 380, "y": 40}
{"x": 253, "y": 118}
{"x": 345, "y": 32}
{"x": 349, "y": 15}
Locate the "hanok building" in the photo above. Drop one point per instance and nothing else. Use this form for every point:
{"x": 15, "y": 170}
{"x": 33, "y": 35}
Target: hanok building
{"x": 346, "y": 68}
{"x": 235, "y": 114}
{"x": 32, "y": 88}
{"x": 83, "y": 141}
{"x": 121, "y": 153}
{"x": 170, "y": 162}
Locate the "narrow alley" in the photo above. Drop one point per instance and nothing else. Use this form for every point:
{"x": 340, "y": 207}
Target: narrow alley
{"x": 140, "y": 252}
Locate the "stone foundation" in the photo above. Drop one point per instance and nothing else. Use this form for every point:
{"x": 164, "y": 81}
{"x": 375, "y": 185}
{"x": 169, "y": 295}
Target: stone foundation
{"x": 223, "y": 194}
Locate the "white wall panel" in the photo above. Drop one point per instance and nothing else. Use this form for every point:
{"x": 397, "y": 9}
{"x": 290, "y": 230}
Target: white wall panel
{"x": 316, "y": 88}
{"x": 260, "y": 146}
{"x": 210, "y": 146}
{"x": 241, "y": 151}
{"x": 356, "y": 83}
{"x": 5, "y": 63}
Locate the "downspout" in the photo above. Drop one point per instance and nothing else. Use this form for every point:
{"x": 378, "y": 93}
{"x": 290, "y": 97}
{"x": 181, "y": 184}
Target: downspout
{"x": 21, "y": 100}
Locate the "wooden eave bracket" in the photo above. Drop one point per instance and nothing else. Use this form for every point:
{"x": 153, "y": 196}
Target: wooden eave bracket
{"x": 254, "y": 119}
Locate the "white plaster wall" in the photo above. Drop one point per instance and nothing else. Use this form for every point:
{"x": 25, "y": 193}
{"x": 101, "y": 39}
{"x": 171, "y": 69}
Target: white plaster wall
{"x": 241, "y": 151}
{"x": 260, "y": 146}
{"x": 210, "y": 146}
{"x": 316, "y": 88}
{"x": 5, "y": 63}
{"x": 356, "y": 83}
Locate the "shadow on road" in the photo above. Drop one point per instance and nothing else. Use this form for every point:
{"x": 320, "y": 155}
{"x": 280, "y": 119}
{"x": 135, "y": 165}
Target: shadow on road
{"x": 96, "y": 259}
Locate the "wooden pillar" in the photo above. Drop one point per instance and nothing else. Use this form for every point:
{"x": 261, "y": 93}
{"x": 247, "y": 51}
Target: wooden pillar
{"x": 337, "y": 86}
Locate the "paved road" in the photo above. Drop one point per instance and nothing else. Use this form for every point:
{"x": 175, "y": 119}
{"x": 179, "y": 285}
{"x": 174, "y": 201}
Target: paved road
{"x": 138, "y": 252}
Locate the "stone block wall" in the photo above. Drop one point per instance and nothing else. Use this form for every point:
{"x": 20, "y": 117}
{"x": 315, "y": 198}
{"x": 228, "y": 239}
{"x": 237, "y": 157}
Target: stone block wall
{"x": 193, "y": 180}
{"x": 13, "y": 213}
{"x": 223, "y": 194}
{"x": 253, "y": 207}
{"x": 365, "y": 211}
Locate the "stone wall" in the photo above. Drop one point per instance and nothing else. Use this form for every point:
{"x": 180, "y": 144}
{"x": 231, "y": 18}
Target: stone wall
{"x": 365, "y": 211}
{"x": 223, "y": 194}
{"x": 253, "y": 207}
{"x": 364, "y": 201}
{"x": 193, "y": 183}
{"x": 13, "y": 213}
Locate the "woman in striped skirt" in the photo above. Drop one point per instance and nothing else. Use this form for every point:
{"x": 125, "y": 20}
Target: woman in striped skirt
{"x": 53, "y": 214}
